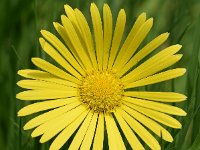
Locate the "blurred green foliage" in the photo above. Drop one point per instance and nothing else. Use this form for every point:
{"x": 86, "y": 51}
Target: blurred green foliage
{"x": 20, "y": 25}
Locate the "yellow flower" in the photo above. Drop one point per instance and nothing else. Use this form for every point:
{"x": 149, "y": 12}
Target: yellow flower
{"x": 92, "y": 90}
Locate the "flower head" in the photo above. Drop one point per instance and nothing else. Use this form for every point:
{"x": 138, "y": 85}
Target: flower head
{"x": 92, "y": 87}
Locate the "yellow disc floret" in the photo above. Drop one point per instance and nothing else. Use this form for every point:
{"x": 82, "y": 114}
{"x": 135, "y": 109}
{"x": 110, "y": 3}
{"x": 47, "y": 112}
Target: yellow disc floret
{"x": 101, "y": 91}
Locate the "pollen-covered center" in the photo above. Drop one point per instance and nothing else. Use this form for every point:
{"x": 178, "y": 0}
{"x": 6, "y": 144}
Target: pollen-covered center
{"x": 101, "y": 91}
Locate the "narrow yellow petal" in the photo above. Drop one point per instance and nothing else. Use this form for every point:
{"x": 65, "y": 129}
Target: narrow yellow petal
{"x": 159, "y": 77}
{"x": 113, "y": 134}
{"x": 87, "y": 141}
{"x": 76, "y": 43}
{"x": 83, "y": 31}
{"x": 107, "y": 28}
{"x": 138, "y": 23}
{"x": 44, "y": 76}
{"x": 158, "y": 62}
{"x": 71, "y": 15}
{"x": 158, "y": 116}
{"x": 45, "y": 94}
{"x": 81, "y": 133}
{"x": 41, "y": 106}
{"x": 98, "y": 33}
{"x": 43, "y": 85}
{"x": 56, "y": 125}
{"x": 168, "y": 109}
{"x": 99, "y": 134}
{"x": 49, "y": 115}
{"x": 151, "y": 67}
{"x": 51, "y": 127}
{"x": 130, "y": 136}
{"x": 157, "y": 96}
{"x": 135, "y": 43}
{"x": 74, "y": 21}
{"x": 58, "y": 58}
{"x": 87, "y": 36}
{"x": 67, "y": 132}
{"x": 151, "y": 46}
{"x": 62, "y": 49}
{"x": 62, "y": 32}
{"x": 46, "y": 66}
{"x": 149, "y": 123}
{"x": 118, "y": 33}
{"x": 141, "y": 131}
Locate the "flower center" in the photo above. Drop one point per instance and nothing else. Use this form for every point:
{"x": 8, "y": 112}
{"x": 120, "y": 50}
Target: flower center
{"x": 101, "y": 91}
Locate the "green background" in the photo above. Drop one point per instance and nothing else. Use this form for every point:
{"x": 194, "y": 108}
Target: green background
{"x": 20, "y": 25}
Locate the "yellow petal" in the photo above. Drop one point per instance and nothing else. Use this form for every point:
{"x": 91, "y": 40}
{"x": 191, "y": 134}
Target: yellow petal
{"x": 74, "y": 21}
{"x": 157, "y": 96}
{"x": 87, "y": 36}
{"x": 118, "y": 33}
{"x": 76, "y": 43}
{"x": 46, "y": 66}
{"x": 53, "y": 127}
{"x": 56, "y": 124}
{"x": 83, "y": 31}
{"x": 49, "y": 115}
{"x": 81, "y": 133}
{"x": 138, "y": 23}
{"x": 141, "y": 131}
{"x": 151, "y": 67}
{"x": 159, "y": 77}
{"x": 58, "y": 58}
{"x": 43, "y": 85}
{"x": 98, "y": 33}
{"x": 45, "y": 94}
{"x": 44, "y": 76}
{"x": 62, "y": 32}
{"x": 113, "y": 134}
{"x": 158, "y": 116}
{"x": 41, "y": 106}
{"x": 135, "y": 43}
{"x": 168, "y": 109}
{"x": 72, "y": 17}
{"x": 149, "y": 123}
{"x": 107, "y": 28}
{"x": 130, "y": 136}
{"x": 99, "y": 134}
{"x": 158, "y": 62}
{"x": 67, "y": 132}
{"x": 151, "y": 46}
{"x": 87, "y": 141}
{"x": 62, "y": 49}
